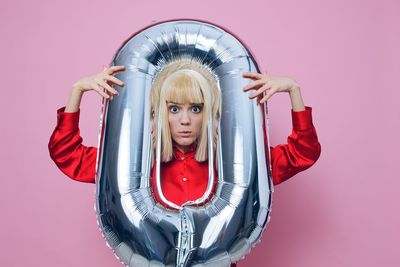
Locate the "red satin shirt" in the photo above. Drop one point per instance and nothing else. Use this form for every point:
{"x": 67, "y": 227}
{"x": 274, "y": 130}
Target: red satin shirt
{"x": 78, "y": 161}
{"x": 183, "y": 178}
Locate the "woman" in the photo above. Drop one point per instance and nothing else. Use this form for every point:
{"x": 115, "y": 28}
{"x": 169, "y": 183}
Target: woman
{"x": 185, "y": 96}
{"x": 187, "y": 93}
{"x": 78, "y": 161}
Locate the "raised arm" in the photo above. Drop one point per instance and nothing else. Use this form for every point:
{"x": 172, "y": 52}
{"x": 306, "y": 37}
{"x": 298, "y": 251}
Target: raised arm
{"x": 100, "y": 82}
{"x": 300, "y": 152}
{"x": 303, "y": 148}
{"x": 66, "y": 150}
{"x": 65, "y": 145}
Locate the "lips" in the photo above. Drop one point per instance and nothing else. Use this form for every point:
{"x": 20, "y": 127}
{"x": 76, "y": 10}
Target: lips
{"x": 185, "y": 133}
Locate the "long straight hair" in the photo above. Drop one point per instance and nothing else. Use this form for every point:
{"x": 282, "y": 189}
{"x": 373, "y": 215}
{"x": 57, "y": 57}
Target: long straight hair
{"x": 185, "y": 82}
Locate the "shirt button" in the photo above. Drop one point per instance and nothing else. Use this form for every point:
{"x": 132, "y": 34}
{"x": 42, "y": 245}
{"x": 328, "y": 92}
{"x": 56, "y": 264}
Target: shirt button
{"x": 184, "y": 179}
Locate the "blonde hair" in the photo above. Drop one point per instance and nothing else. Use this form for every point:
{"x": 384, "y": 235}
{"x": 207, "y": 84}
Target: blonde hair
{"x": 185, "y": 81}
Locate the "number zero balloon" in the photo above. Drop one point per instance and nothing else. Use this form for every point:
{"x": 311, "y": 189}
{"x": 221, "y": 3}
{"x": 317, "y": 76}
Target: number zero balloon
{"x": 221, "y": 227}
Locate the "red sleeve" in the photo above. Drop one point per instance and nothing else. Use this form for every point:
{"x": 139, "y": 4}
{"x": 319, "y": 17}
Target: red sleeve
{"x": 66, "y": 150}
{"x": 301, "y": 151}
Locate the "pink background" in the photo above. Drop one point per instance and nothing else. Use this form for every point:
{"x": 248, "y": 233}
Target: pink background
{"x": 341, "y": 212}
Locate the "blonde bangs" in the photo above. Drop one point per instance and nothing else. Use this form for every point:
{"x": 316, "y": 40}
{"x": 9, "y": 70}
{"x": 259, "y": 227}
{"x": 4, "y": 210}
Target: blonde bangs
{"x": 183, "y": 89}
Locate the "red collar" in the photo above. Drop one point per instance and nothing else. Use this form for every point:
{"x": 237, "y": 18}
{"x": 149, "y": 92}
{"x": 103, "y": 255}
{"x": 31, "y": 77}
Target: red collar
{"x": 190, "y": 152}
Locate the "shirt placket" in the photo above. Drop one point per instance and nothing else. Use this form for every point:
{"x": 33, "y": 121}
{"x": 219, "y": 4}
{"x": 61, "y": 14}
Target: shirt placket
{"x": 185, "y": 178}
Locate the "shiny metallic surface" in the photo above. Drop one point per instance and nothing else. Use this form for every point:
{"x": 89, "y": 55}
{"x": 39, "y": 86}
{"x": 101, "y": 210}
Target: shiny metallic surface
{"x": 142, "y": 232}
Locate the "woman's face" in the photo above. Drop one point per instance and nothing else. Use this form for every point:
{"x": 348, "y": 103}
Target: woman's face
{"x": 185, "y": 121}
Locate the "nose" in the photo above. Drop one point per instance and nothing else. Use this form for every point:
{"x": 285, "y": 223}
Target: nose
{"x": 185, "y": 118}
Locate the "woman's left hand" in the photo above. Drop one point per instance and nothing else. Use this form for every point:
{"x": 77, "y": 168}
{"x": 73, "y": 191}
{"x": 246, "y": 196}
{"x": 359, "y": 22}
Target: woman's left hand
{"x": 268, "y": 84}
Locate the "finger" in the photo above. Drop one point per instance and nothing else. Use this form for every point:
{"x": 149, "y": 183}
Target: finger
{"x": 100, "y": 90}
{"x": 252, "y": 75}
{"x": 253, "y": 85}
{"x": 268, "y": 96}
{"x": 260, "y": 91}
{"x": 115, "y": 69}
{"x": 259, "y": 99}
{"x": 113, "y": 80}
{"x": 108, "y": 87}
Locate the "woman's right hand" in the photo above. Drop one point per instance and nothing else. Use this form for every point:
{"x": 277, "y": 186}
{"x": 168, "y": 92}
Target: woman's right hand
{"x": 101, "y": 82}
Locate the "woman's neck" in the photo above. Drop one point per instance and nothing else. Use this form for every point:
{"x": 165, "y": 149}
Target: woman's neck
{"x": 184, "y": 149}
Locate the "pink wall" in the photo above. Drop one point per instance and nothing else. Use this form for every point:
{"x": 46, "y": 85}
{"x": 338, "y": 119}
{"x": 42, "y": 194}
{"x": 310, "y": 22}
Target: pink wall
{"x": 341, "y": 212}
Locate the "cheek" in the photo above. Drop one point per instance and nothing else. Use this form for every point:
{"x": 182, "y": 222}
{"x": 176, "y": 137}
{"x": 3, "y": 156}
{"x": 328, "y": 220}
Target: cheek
{"x": 172, "y": 124}
{"x": 170, "y": 120}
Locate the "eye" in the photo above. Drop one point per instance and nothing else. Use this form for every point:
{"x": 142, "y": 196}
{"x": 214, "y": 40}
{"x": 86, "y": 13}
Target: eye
{"x": 174, "y": 109}
{"x": 196, "y": 109}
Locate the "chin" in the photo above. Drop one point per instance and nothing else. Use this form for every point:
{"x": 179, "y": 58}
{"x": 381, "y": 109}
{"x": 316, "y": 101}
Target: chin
{"x": 185, "y": 143}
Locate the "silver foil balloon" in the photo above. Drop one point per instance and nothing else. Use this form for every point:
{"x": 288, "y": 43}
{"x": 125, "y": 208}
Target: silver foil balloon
{"x": 142, "y": 232}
